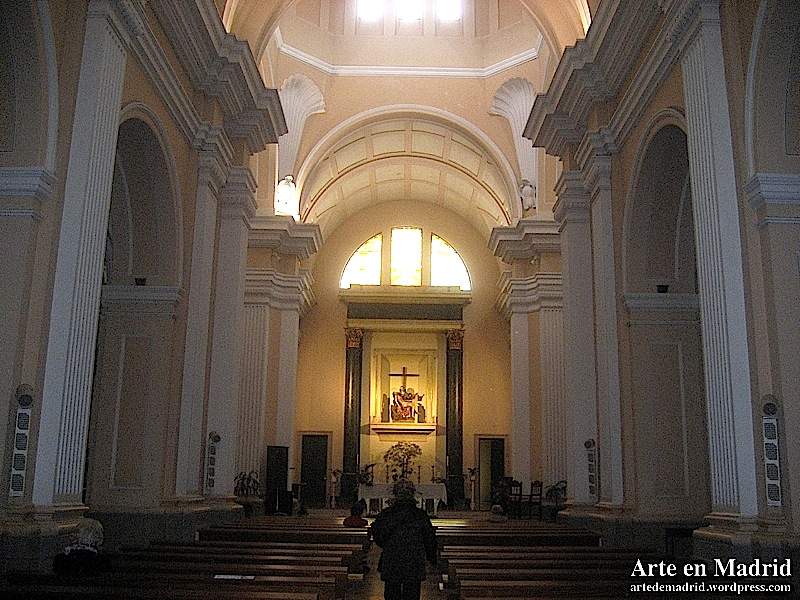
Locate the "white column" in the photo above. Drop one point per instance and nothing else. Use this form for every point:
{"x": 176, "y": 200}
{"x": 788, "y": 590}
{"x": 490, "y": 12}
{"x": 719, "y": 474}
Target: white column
{"x": 606, "y": 346}
{"x": 237, "y": 207}
{"x": 572, "y": 214}
{"x": 287, "y": 381}
{"x": 521, "y": 459}
{"x": 211, "y": 175}
{"x": 253, "y": 386}
{"x": 554, "y": 410}
{"x": 719, "y": 265}
{"x": 61, "y": 448}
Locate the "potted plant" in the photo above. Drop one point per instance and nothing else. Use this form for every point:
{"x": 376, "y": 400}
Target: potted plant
{"x": 400, "y": 459}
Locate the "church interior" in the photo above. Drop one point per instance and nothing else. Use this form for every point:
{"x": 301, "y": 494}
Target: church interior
{"x": 270, "y": 256}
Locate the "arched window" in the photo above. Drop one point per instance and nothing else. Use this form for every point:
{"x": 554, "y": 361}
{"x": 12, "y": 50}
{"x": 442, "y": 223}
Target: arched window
{"x": 406, "y": 258}
{"x": 364, "y": 267}
{"x": 406, "y": 263}
{"x": 447, "y": 268}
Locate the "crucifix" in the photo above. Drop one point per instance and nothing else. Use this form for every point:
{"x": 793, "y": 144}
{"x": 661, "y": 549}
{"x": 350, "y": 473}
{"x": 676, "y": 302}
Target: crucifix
{"x": 405, "y": 405}
{"x": 405, "y": 375}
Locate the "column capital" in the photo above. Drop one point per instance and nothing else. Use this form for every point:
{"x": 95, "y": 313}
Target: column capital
{"x": 278, "y": 290}
{"x": 126, "y": 17}
{"x": 685, "y": 19}
{"x": 215, "y": 156}
{"x": 573, "y": 199}
{"x": 455, "y": 339}
{"x": 354, "y": 337}
{"x": 528, "y": 238}
{"x": 529, "y": 294}
{"x": 238, "y": 199}
{"x": 594, "y": 157}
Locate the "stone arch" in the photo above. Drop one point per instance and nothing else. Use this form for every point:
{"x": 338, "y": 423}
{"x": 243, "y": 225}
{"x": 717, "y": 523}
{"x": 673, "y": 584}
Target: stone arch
{"x": 137, "y": 331}
{"x": 29, "y": 109}
{"x": 666, "y": 130}
{"x": 664, "y": 350}
{"x": 168, "y": 190}
{"x": 773, "y": 68}
{"x": 504, "y": 192}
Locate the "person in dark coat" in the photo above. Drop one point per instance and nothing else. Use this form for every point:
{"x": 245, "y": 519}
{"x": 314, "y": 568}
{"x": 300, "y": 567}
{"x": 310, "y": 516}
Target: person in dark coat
{"x": 407, "y": 537}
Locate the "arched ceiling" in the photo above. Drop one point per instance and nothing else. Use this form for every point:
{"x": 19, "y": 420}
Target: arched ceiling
{"x": 561, "y": 22}
{"x": 406, "y": 157}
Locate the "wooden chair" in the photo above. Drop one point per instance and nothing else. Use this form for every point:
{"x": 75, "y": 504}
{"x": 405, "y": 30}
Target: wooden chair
{"x": 535, "y": 499}
{"x": 515, "y": 498}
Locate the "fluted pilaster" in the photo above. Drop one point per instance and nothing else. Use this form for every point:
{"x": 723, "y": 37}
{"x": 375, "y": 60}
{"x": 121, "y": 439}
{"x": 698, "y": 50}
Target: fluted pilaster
{"x": 572, "y": 214}
{"x": 237, "y": 207}
{"x": 253, "y": 387}
{"x": 719, "y": 265}
{"x": 61, "y": 450}
{"x": 268, "y": 295}
{"x": 595, "y": 157}
{"x": 212, "y": 173}
{"x": 554, "y": 410}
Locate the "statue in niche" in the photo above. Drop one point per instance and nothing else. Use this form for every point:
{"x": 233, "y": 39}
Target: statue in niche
{"x": 405, "y": 406}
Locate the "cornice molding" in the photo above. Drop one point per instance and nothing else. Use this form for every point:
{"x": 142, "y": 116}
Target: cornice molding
{"x": 592, "y": 71}
{"x": 32, "y": 186}
{"x": 773, "y": 188}
{"x": 528, "y": 238}
{"x": 224, "y": 68}
{"x": 399, "y": 71}
{"x": 774, "y": 198}
{"x": 28, "y": 182}
{"x": 529, "y": 294}
{"x": 140, "y": 300}
{"x": 648, "y": 302}
{"x": 277, "y": 290}
{"x": 285, "y": 236}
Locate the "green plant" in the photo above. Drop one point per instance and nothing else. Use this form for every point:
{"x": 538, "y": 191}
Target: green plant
{"x": 400, "y": 459}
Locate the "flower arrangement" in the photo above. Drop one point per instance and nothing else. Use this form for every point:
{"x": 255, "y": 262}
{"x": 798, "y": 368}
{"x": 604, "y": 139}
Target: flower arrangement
{"x": 400, "y": 459}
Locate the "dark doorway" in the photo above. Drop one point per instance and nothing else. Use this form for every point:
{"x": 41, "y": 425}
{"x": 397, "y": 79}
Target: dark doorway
{"x": 491, "y": 468}
{"x": 314, "y": 470}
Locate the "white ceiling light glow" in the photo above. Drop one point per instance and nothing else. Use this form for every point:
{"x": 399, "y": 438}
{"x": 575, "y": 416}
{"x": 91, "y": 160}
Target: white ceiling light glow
{"x": 409, "y": 10}
{"x": 448, "y": 10}
{"x": 370, "y": 11}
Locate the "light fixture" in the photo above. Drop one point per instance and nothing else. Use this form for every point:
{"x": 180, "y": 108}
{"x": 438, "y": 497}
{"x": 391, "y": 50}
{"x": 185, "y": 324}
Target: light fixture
{"x": 409, "y": 10}
{"x": 370, "y": 11}
{"x": 448, "y": 10}
{"x": 287, "y": 200}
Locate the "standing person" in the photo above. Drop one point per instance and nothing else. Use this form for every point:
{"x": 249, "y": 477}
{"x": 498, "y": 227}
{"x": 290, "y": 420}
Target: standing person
{"x": 407, "y": 537}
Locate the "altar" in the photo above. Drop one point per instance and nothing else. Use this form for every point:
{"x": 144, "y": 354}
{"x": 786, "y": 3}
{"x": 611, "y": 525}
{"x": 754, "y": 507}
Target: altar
{"x": 377, "y": 496}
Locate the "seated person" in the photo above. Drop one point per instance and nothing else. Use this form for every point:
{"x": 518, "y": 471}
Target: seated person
{"x": 356, "y": 518}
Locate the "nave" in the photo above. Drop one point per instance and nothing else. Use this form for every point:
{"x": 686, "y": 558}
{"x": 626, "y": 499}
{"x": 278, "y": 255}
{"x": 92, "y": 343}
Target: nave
{"x": 316, "y": 558}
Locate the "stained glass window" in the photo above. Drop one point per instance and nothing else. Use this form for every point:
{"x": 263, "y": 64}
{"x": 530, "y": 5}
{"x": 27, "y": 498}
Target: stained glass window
{"x": 406, "y": 261}
{"x": 404, "y": 257}
{"x": 447, "y": 268}
{"x": 364, "y": 267}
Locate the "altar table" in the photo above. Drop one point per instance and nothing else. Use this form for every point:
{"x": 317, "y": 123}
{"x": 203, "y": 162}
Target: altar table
{"x": 377, "y": 496}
